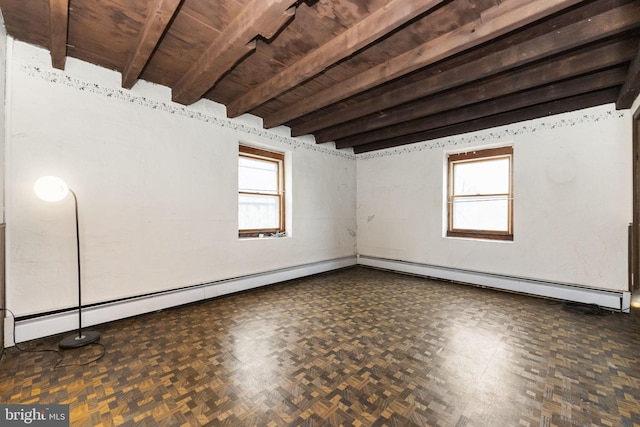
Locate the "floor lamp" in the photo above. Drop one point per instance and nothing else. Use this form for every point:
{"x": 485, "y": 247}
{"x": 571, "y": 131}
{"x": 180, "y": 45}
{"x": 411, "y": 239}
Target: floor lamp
{"x": 54, "y": 189}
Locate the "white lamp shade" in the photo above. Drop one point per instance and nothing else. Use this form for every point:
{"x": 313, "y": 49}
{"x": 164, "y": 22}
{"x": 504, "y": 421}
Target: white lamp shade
{"x": 51, "y": 188}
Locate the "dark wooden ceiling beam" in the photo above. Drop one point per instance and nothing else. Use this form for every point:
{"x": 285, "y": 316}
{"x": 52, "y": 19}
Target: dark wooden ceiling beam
{"x": 258, "y": 18}
{"x": 152, "y": 30}
{"x": 442, "y": 47}
{"x": 58, "y": 30}
{"x": 590, "y": 83}
{"x": 569, "y": 66}
{"x": 631, "y": 87}
{"x": 578, "y": 102}
{"x": 595, "y": 28}
{"x": 377, "y": 25}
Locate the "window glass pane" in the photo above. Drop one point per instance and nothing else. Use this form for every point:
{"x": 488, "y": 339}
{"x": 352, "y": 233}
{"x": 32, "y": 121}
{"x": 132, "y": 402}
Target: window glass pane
{"x": 481, "y": 177}
{"x": 257, "y": 212}
{"x": 257, "y": 175}
{"x": 477, "y": 213}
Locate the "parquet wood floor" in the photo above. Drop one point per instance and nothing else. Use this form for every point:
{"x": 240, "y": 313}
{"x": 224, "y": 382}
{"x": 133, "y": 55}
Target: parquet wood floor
{"x": 356, "y": 347}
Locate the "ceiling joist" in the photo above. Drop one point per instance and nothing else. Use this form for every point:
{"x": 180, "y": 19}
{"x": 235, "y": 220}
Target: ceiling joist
{"x": 377, "y": 25}
{"x": 152, "y": 30}
{"x": 258, "y": 18}
{"x": 442, "y": 47}
{"x": 58, "y": 29}
{"x": 366, "y": 74}
{"x": 564, "y": 105}
{"x": 587, "y": 31}
{"x": 548, "y": 93}
{"x": 534, "y": 76}
{"x": 631, "y": 88}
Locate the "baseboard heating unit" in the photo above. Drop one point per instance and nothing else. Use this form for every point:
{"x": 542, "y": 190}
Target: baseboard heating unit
{"x": 51, "y": 324}
{"x": 616, "y": 300}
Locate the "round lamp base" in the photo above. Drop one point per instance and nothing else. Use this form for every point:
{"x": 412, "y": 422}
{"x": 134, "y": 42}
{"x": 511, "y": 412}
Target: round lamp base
{"x": 79, "y": 340}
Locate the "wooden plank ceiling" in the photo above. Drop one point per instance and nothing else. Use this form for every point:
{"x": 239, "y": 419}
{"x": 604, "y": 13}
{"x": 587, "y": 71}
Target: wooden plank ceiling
{"x": 367, "y": 74}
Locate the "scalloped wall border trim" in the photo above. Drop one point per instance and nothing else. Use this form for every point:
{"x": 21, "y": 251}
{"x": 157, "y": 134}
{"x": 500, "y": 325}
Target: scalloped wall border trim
{"x": 59, "y": 78}
{"x": 504, "y": 132}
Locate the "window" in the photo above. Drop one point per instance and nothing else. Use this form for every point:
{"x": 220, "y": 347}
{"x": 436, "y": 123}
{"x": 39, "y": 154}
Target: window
{"x": 480, "y": 194}
{"x": 260, "y": 192}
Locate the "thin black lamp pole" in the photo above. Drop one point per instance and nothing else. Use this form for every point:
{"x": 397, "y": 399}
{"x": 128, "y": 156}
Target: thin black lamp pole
{"x": 89, "y": 336}
{"x": 75, "y": 205}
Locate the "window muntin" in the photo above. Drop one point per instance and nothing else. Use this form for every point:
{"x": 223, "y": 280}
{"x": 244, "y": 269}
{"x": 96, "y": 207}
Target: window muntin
{"x": 260, "y": 191}
{"x": 480, "y": 194}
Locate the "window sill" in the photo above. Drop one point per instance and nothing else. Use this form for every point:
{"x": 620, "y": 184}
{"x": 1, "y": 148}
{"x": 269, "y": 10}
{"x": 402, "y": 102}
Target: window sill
{"x": 265, "y": 237}
{"x": 480, "y": 238}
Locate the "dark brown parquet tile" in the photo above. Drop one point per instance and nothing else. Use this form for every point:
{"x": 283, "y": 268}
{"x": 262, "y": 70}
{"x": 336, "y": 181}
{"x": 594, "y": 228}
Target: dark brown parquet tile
{"x": 356, "y": 347}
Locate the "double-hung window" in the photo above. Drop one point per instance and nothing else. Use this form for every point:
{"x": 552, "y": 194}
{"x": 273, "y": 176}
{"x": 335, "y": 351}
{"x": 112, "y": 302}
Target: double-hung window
{"x": 260, "y": 192}
{"x": 480, "y": 194}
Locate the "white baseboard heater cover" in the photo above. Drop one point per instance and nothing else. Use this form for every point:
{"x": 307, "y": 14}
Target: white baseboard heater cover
{"x": 52, "y": 324}
{"x": 616, "y": 300}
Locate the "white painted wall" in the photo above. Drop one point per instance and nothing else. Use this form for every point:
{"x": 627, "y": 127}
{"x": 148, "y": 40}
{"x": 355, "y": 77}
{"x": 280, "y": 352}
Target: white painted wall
{"x": 636, "y": 105}
{"x": 156, "y": 185}
{"x": 572, "y": 181}
{"x": 3, "y": 62}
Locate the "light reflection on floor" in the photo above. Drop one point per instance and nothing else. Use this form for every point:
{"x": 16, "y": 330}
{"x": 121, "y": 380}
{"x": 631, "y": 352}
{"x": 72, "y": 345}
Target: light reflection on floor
{"x": 357, "y": 347}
